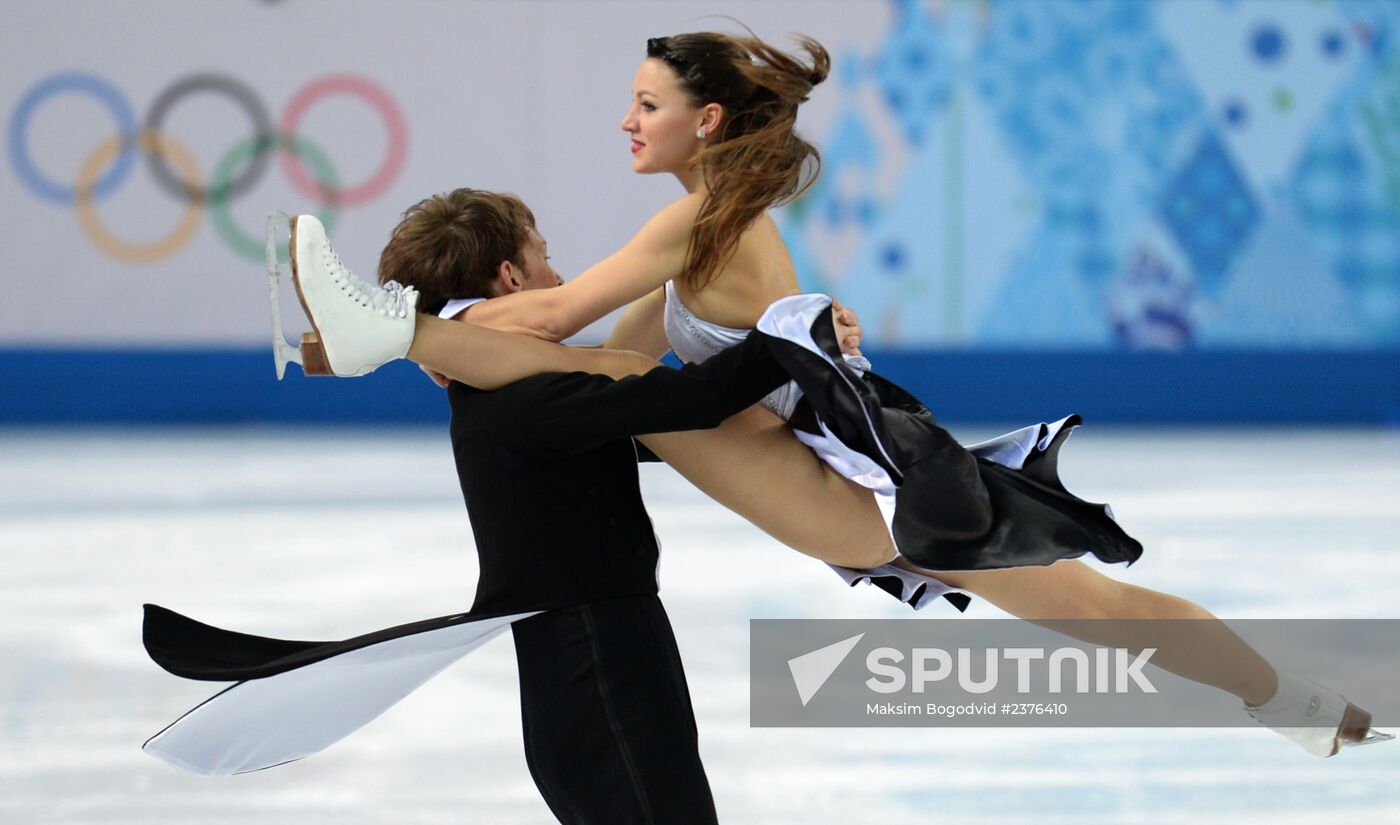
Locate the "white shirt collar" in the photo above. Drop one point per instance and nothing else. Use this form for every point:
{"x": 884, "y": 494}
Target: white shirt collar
{"x": 456, "y": 305}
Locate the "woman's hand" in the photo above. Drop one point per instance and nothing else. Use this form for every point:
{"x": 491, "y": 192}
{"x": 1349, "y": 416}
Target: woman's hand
{"x": 848, "y": 330}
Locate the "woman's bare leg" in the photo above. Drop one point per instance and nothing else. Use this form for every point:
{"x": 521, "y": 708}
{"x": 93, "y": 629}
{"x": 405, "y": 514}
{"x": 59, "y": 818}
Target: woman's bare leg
{"x": 489, "y": 359}
{"x": 756, "y": 467}
{"x": 1205, "y": 651}
{"x": 753, "y": 465}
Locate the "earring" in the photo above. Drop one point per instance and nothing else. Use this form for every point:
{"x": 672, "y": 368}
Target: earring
{"x": 700, "y": 133}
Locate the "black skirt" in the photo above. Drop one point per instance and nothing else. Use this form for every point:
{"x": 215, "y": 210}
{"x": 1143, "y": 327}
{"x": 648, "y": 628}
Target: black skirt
{"x": 988, "y": 506}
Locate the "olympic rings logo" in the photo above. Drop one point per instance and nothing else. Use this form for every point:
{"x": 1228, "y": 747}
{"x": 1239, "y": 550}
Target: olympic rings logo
{"x": 175, "y": 170}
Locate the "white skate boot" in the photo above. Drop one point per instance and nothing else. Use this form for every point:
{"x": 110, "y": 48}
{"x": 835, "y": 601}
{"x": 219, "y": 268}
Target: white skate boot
{"x": 1319, "y": 719}
{"x": 356, "y": 326}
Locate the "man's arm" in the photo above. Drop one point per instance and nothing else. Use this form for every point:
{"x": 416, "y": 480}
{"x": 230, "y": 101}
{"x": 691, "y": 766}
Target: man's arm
{"x": 580, "y": 411}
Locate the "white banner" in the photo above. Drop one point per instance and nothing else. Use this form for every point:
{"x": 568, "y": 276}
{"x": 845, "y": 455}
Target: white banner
{"x": 391, "y": 101}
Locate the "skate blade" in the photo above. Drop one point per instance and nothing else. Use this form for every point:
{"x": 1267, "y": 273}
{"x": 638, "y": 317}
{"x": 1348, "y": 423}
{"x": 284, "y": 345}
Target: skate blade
{"x": 282, "y": 351}
{"x": 1356, "y": 729}
{"x": 1372, "y": 737}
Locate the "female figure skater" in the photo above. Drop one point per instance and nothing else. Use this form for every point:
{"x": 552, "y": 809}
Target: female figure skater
{"x": 717, "y": 112}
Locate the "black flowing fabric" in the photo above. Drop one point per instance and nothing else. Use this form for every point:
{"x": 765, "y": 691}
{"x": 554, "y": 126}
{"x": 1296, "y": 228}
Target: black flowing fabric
{"x": 192, "y": 649}
{"x": 954, "y": 510}
{"x": 1028, "y": 516}
{"x": 295, "y": 697}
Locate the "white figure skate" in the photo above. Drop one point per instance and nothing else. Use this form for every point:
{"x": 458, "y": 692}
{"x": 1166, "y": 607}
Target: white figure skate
{"x": 1322, "y": 721}
{"x": 356, "y": 326}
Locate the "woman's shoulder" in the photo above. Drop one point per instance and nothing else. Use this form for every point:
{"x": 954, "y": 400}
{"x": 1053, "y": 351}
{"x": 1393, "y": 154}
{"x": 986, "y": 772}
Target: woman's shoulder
{"x": 683, "y": 210}
{"x": 672, "y": 224}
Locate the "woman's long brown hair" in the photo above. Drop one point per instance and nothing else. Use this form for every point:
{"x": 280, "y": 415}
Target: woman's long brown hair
{"x": 757, "y": 160}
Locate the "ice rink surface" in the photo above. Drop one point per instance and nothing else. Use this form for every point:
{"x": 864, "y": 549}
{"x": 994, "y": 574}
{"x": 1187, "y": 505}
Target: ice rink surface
{"x": 324, "y": 534}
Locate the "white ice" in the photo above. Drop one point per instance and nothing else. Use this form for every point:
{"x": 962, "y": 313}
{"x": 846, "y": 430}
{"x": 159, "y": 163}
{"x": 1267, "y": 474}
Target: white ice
{"x": 309, "y": 533}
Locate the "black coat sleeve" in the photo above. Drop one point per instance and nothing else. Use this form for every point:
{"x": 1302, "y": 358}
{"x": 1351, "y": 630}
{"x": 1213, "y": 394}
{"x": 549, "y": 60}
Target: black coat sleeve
{"x": 577, "y": 411}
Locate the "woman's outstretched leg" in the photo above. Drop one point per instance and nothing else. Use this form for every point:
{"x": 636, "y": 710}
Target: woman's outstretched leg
{"x": 753, "y": 465}
{"x": 1058, "y": 596}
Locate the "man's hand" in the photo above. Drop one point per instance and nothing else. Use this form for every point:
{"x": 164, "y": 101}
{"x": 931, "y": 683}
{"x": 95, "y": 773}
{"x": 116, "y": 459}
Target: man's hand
{"x": 848, "y": 331}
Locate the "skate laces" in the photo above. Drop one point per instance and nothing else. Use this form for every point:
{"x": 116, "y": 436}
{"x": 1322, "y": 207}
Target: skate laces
{"x": 392, "y": 298}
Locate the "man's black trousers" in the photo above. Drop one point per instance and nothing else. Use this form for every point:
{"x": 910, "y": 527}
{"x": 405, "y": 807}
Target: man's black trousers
{"x": 610, "y": 733}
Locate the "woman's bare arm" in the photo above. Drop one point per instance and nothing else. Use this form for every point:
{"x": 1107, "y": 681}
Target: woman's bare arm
{"x": 652, "y": 257}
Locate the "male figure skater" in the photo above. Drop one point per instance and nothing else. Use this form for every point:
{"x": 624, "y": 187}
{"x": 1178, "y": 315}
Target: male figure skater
{"x": 548, "y": 469}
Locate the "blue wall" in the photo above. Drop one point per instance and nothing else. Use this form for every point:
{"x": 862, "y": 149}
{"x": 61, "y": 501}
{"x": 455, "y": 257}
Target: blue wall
{"x": 1115, "y": 175}
{"x": 238, "y": 386}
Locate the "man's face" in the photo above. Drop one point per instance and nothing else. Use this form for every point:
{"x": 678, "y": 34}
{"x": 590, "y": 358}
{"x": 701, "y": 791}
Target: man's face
{"x": 535, "y": 271}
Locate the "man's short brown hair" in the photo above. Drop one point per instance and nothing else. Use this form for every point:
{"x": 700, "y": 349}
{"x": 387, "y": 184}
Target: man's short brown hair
{"x": 450, "y": 245}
